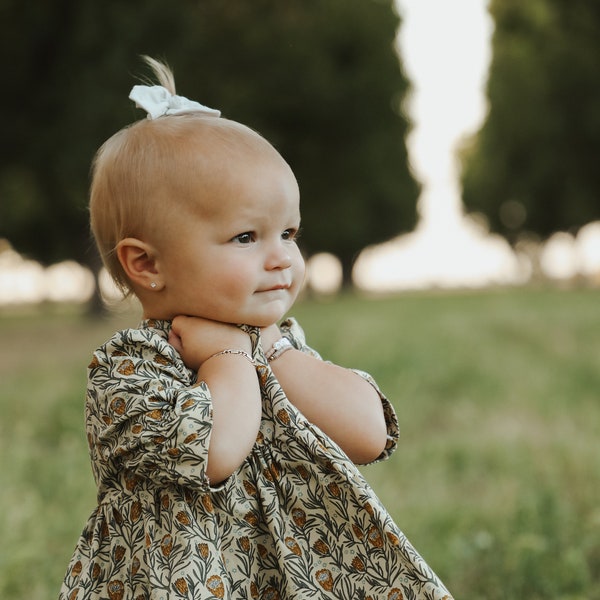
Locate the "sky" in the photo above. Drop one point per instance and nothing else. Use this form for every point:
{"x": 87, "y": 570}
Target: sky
{"x": 445, "y": 49}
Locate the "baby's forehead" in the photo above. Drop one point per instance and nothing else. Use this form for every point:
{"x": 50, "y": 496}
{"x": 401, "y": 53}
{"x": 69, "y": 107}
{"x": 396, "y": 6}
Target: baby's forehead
{"x": 219, "y": 135}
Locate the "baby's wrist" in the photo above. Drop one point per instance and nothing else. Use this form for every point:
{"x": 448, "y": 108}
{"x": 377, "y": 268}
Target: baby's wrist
{"x": 234, "y": 339}
{"x": 269, "y": 335}
{"x": 231, "y": 352}
{"x": 279, "y": 347}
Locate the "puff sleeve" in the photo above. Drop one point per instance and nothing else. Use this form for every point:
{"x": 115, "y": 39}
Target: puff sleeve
{"x": 145, "y": 417}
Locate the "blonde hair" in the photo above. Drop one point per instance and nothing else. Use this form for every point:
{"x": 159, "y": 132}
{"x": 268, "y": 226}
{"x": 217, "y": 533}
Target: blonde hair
{"x": 150, "y": 165}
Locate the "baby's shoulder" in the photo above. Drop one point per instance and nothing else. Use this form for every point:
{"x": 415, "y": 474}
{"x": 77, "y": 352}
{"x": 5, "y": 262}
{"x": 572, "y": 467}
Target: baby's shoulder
{"x": 142, "y": 343}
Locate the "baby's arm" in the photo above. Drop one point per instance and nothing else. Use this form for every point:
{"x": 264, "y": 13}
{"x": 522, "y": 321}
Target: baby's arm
{"x": 233, "y": 385}
{"x": 341, "y": 403}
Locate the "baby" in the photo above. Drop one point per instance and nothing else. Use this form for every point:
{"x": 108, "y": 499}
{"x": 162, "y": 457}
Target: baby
{"x": 223, "y": 447}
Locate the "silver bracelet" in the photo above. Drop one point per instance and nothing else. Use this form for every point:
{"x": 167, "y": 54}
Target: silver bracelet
{"x": 282, "y": 345}
{"x": 232, "y": 351}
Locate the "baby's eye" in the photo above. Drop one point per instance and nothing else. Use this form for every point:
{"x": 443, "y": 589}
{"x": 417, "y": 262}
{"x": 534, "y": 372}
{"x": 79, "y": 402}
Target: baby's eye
{"x": 244, "y": 238}
{"x": 290, "y": 235}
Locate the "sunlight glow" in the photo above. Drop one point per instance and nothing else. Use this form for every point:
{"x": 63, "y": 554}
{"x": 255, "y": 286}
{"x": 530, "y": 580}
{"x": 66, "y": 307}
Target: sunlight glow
{"x": 445, "y": 47}
{"x": 324, "y": 273}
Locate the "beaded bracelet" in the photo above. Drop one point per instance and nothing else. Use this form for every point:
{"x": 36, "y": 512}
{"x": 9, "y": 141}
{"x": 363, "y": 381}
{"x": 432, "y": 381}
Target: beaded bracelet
{"x": 233, "y": 351}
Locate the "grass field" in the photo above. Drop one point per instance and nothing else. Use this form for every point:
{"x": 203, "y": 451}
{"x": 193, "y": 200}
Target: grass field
{"x": 496, "y": 480}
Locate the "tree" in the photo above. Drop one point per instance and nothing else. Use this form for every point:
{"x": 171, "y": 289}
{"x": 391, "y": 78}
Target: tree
{"x": 534, "y": 164}
{"x": 320, "y": 80}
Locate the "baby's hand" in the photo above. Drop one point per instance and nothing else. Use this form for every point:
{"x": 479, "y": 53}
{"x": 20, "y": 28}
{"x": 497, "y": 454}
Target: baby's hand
{"x": 197, "y": 339}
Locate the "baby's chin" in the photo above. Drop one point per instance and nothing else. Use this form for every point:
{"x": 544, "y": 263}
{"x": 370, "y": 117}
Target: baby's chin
{"x": 262, "y": 323}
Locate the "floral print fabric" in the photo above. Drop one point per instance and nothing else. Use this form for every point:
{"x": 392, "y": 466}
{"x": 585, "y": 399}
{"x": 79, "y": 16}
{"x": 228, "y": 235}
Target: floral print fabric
{"x": 295, "y": 521}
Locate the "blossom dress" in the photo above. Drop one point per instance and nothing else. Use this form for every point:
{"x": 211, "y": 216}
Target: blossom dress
{"x": 295, "y": 521}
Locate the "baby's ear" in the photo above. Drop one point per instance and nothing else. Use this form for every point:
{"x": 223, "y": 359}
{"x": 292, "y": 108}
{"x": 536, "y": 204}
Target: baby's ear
{"x": 138, "y": 260}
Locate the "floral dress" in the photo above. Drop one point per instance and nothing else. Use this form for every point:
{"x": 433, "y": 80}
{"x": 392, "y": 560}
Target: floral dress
{"x": 296, "y": 520}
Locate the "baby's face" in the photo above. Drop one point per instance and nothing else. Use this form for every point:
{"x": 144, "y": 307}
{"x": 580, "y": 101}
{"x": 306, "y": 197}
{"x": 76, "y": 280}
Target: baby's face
{"x": 235, "y": 259}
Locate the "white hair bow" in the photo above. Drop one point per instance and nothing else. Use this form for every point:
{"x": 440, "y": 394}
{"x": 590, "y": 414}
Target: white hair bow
{"x": 157, "y": 101}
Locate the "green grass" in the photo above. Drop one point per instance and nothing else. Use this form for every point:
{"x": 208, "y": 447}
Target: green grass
{"x": 496, "y": 480}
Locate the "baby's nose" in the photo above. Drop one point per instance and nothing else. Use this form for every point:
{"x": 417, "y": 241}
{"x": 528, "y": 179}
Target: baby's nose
{"x": 279, "y": 258}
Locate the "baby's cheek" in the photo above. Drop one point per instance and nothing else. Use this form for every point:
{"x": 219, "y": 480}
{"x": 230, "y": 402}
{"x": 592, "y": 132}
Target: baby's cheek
{"x": 299, "y": 269}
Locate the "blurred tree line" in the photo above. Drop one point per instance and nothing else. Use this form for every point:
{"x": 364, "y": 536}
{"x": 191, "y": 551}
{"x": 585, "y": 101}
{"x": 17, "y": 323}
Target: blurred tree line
{"x": 320, "y": 79}
{"x": 534, "y": 167}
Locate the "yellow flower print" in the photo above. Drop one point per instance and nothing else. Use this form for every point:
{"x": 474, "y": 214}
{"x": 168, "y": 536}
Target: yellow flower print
{"x": 118, "y": 406}
{"x": 215, "y": 586}
{"x": 188, "y": 403}
{"x": 275, "y": 470}
{"x": 283, "y": 416}
{"x": 135, "y": 565}
{"x": 325, "y": 579}
{"x": 321, "y": 547}
{"x": 263, "y": 374}
{"x": 395, "y": 594}
{"x": 118, "y": 553}
{"x": 303, "y": 472}
{"x": 207, "y": 503}
{"x": 132, "y": 481}
{"x": 202, "y": 550}
{"x": 393, "y": 539}
{"x": 76, "y": 570}
{"x": 136, "y": 511}
{"x": 299, "y": 517}
{"x": 334, "y": 489}
{"x": 244, "y": 543}
{"x": 251, "y": 518}
{"x": 183, "y": 517}
{"x": 126, "y": 368}
{"x": 104, "y": 530}
{"x": 181, "y": 585}
{"x": 116, "y": 589}
{"x": 161, "y": 360}
{"x": 358, "y": 564}
{"x": 271, "y": 594}
{"x": 250, "y": 488}
{"x": 374, "y": 537}
{"x": 166, "y": 545}
{"x": 292, "y": 545}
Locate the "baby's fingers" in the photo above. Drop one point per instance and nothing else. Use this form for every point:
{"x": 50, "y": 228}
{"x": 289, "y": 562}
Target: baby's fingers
{"x": 175, "y": 341}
